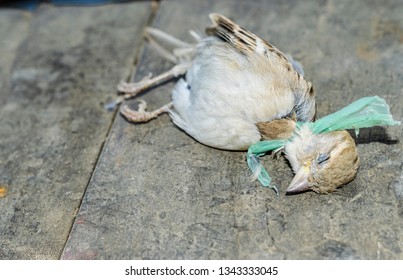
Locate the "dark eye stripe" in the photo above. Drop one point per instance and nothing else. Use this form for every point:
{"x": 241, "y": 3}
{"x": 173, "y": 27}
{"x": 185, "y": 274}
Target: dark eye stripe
{"x": 322, "y": 158}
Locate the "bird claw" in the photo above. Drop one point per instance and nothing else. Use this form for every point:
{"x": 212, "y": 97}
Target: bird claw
{"x": 134, "y": 87}
{"x": 139, "y": 116}
{"x": 129, "y": 87}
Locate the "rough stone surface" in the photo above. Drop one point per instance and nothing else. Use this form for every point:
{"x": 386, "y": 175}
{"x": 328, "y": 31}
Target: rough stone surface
{"x": 154, "y": 192}
{"x": 158, "y": 194}
{"x": 14, "y": 28}
{"x": 62, "y": 63}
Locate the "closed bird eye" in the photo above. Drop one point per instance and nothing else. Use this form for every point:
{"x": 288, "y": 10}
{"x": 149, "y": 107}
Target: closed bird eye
{"x": 322, "y": 158}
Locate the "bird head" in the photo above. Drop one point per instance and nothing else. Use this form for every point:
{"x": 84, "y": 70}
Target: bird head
{"x": 321, "y": 162}
{"x": 322, "y": 155}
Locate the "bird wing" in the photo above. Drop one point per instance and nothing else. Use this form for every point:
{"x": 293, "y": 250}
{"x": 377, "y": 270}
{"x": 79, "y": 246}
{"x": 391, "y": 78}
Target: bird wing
{"x": 246, "y": 42}
{"x": 251, "y": 46}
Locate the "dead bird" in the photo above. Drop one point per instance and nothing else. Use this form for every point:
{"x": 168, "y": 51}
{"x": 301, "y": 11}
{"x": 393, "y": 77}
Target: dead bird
{"x": 239, "y": 89}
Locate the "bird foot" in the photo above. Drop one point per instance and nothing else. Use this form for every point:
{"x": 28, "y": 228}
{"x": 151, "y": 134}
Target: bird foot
{"x": 135, "y": 88}
{"x": 141, "y": 115}
{"x": 136, "y": 116}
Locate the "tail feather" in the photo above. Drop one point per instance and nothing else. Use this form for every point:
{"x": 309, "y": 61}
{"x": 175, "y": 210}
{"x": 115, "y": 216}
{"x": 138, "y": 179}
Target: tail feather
{"x": 245, "y": 41}
{"x": 232, "y": 33}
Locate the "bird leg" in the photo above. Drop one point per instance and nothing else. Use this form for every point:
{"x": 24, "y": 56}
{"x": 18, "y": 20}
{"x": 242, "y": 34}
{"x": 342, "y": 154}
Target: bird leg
{"x": 130, "y": 90}
{"x": 141, "y": 115}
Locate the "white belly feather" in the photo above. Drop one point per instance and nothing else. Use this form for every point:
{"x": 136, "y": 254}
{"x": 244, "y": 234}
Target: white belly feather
{"x": 221, "y": 100}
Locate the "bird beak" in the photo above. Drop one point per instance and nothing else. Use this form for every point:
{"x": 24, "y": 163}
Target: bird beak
{"x": 300, "y": 181}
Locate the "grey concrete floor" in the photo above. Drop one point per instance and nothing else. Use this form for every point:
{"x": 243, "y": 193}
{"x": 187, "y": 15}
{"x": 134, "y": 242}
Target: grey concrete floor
{"x": 82, "y": 183}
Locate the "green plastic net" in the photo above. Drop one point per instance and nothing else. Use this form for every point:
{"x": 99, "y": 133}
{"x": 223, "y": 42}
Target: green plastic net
{"x": 365, "y": 112}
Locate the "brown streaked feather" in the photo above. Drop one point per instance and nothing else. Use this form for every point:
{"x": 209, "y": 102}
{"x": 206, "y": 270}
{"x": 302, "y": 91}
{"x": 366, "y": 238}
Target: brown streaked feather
{"x": 276, "y": 129}
{"x": 245, "y": 41}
